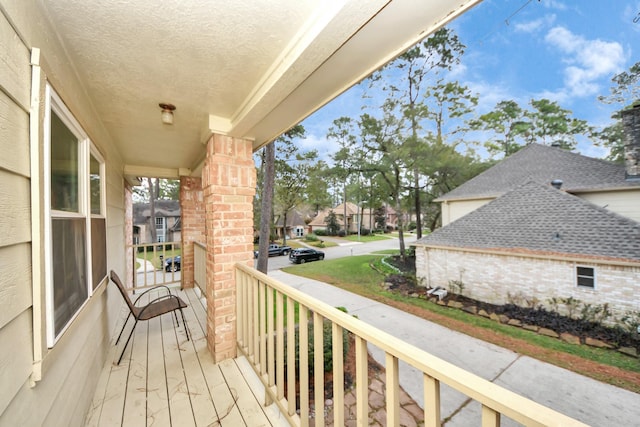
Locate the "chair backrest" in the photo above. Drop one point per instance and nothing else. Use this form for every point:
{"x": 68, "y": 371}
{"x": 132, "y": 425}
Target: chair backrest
{"x": 115, "y": 279}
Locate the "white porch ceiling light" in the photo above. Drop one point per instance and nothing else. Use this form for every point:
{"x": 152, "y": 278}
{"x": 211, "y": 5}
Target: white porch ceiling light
{"x": 167, "y": 113}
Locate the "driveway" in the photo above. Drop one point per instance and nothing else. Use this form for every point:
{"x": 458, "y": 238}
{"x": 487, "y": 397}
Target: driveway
{"x": 585, "y": 399}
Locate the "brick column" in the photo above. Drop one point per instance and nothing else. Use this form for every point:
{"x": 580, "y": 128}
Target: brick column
{"x": 192, "y": 209}
{"x": 228, "y": 182}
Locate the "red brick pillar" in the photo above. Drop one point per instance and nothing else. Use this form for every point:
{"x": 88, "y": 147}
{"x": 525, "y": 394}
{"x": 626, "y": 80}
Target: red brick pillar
{"x": 228, "y": 182}
{"x": 193, "y": 229}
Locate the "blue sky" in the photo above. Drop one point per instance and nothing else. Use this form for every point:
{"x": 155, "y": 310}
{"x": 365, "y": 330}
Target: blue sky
{"x": 563, "y": 50}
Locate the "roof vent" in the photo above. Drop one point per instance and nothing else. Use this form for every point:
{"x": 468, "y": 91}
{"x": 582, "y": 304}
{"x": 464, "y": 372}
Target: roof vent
{"x": 556, "y": 144}
{"x": 556, "y": 183}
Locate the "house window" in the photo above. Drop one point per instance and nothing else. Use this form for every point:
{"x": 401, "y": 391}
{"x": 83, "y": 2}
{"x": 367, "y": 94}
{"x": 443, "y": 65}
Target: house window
{"x": 586, "y": 276}
{"x": 75, "y": 225}
{"x": 299, "y": 231}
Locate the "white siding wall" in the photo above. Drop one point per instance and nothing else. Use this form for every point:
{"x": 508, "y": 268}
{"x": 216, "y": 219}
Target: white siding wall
{"x": 457, "y": 209}
{"x": 626, "y": 203}
{"x": 71, "y": 368}
{"x": 491, "y": 278}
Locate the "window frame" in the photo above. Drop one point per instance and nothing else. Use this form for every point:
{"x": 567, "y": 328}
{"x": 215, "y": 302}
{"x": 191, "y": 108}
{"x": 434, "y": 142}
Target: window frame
{"x": 592, "y": 276}
{"x": 54, "y": 105}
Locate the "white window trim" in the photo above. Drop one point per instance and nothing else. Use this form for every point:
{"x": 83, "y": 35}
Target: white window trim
{"x": 595, "y": 282}
{"x": 55, "y": 104}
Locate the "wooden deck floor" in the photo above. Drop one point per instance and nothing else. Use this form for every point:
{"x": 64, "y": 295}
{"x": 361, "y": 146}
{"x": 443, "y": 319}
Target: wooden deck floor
{"x": 165, "y": 380}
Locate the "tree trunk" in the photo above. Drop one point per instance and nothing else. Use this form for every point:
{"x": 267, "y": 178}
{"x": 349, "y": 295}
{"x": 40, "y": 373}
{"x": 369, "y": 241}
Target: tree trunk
{"x": 284, "y": 229}
{"x": 266, "y": 208}
{"x": 416, "y": 177}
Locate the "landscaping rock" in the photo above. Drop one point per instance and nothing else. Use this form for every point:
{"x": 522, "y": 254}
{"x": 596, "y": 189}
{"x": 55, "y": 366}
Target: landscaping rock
{"x": 455, "y": 304}
{"x": 629, "y": 351}
{"x": 495, "y": 317}
{"x": 503, "y": 318}
{"x": 414, "y": 295}
{"x": 533, "y": 328}
{"x": 470, "y": 309}
{"x": 571, "y": 339}
{"x": 548, "y": 333}
{"x": 514, "y": 322}
{"x": 483, "y": 313}
{"x": 597, "y": 343}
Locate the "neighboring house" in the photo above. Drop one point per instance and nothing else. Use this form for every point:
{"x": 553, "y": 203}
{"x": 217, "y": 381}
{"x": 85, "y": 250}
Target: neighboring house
{"x": 167, "y": 222}
{"x": 598, "y": 181}
{"x": 296, "y": 227}
{"x": 319, "y": 222}
{"x": 531, "y": 240}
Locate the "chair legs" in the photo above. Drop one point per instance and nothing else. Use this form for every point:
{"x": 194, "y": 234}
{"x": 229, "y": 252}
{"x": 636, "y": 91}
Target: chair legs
{"x": 184, "y": 322}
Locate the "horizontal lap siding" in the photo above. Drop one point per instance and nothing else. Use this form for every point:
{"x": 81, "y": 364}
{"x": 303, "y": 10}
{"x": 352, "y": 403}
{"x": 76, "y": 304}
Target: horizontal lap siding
{"x": 16, "y": 345}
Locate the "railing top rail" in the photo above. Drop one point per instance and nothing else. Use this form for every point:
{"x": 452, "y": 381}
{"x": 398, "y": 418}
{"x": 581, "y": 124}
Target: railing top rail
{"x": 487, "y": 393}
{"x": 202, "y": 245}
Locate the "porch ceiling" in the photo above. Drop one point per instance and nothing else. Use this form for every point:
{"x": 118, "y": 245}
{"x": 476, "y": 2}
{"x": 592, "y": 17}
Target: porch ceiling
{"x": 245, "y": 68}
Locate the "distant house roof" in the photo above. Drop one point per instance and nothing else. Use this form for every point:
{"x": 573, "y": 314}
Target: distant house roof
{"x": 543, "y": 164}
{"x": 164, "y": 208}
{"x": 319, "y": 220}
{"x": 537, "y": 218}
{"x": 294, "y": 219}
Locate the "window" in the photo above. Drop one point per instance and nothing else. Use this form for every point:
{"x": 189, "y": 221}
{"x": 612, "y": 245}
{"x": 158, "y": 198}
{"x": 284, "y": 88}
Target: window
{"x": 585, "y": 276}
{"x": 75, "y": 225}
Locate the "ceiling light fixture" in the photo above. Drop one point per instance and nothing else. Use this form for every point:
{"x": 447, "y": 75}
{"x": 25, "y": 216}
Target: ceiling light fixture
{"x": 167, "y": 113}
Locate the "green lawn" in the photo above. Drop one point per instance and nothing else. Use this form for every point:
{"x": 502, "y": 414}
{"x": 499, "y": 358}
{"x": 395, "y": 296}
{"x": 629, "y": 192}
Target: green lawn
{"x": 355, "y": 275}
{"x": 368, "y": 238}
{"x": 154, "y": 257}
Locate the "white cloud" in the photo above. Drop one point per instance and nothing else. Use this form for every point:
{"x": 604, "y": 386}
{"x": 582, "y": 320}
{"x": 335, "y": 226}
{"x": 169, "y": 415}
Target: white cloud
{"x": 535, "y": 25}
{"x": 587, "y": 60}
{"x": 554, "y": 4}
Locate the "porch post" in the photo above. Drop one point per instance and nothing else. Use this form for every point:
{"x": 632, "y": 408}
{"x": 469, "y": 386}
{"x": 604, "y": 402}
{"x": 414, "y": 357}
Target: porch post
{"x": 130, "y": 259}
{"x": 228, "y": 183}
{"x": 192, "y": 209}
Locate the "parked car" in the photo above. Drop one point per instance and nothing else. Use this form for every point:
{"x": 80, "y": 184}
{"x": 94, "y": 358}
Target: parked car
{"x": 172, "y": 264}
{"x": 300, "y": 256}
{"x": 275, "y": 250}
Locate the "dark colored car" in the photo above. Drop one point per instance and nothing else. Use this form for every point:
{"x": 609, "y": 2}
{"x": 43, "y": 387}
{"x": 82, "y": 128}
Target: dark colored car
{"x": 300, "y": 256}
{"x": 172, "y": 264}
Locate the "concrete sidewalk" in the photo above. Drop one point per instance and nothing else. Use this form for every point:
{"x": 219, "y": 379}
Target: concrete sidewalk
{"x": 577, "y": 396}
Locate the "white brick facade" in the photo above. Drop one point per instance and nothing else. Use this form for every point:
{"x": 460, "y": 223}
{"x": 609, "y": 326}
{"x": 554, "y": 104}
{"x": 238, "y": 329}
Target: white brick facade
{"x": 493, "y": 277}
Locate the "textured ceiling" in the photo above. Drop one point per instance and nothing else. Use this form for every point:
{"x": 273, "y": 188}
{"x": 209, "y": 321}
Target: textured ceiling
{"x": 247, "y": 68}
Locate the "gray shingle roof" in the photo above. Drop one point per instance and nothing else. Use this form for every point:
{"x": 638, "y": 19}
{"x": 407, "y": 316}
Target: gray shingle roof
{"x": 538, "y": 218}
{"x": 542, "y": 164}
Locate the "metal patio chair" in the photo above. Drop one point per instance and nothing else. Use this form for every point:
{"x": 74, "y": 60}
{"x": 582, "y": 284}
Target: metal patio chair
{"x": 167, "y": 303}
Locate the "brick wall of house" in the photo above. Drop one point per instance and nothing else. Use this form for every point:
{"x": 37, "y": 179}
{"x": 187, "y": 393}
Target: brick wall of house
{"x": 228, "y": 183}
{"x": 492, "y": 278}
{"x": 192, "y": 208}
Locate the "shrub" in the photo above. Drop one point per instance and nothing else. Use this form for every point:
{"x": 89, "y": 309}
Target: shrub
{"x": 311, "y": 237}
{"x": 320, "y": 232}
{"x": 365, "y": 232}
{"x": 342, "y": 233}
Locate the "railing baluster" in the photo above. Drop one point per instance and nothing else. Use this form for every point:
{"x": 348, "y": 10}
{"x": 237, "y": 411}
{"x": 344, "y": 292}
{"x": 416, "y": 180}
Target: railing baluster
{"x": 392, "y": 390}
{"x": 262, "y": 312}
{"x": 271, "y": 366}
{"x": 303, "y": 354}
{"x": 431, "y": 401}
{"x": 318, "y": 368}
{"x": 291, "y": 356}
{"x": 362, "y": 383}
{"x": 255, "y": 323}
{"x": 490, "y": 418}
{"x": 280, "y": 345}
{"x": 338, "y": 374}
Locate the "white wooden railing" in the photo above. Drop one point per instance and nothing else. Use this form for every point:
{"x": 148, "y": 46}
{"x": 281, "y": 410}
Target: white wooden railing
{"x": 268, "y": 312}
{"x": 200, "y": 267}
{"x": 151, "y": 258}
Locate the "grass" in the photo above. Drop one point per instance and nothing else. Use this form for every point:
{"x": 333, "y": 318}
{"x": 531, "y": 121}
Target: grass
{"x": 354, "y": 274}
{"x": 365, "y": 239}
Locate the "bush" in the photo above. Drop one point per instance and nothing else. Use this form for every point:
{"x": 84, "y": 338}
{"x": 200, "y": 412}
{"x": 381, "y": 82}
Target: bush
{"x": 365, "y": 232}
{"x": 320, "y": 232}
{"x": 411, "y": 226}
{"x": 327, "y": 345}
{"x": 311, "y": 237}
{"x": 342, "y": 233}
